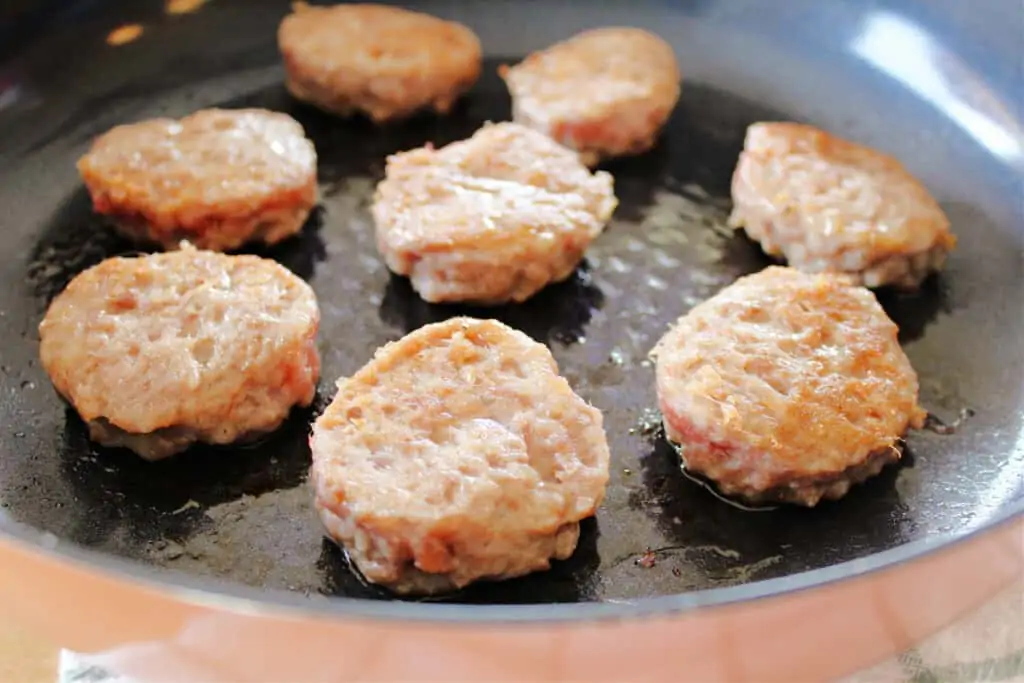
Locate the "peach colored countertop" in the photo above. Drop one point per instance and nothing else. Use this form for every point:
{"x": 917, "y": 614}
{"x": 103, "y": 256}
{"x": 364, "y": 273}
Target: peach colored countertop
{"x": 986, "y": 645}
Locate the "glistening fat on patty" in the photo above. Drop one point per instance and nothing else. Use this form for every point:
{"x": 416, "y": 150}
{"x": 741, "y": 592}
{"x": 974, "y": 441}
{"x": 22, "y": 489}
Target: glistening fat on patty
{"x": 829, "y": 205}
{"x": 218, "y": 178}
{"x": 458, "y": 453}
{"x": 786, "y": 386}
{"x": 491, "y": 219}
{"x": 384, "y": 61}
{"x": 604, "y": 92}
{"x": 161, "y": 351}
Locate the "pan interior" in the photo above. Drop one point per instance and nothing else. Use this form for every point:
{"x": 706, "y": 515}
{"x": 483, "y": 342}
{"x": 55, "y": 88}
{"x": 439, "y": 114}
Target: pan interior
{"x": 243, "y": 514}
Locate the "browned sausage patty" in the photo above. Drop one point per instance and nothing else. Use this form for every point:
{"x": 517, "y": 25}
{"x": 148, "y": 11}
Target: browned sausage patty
{"x": 458, "y": 453}
{"x": 491, "y": 219}
{"x": 604, "y": 92}
{"x": 829, "y": 205}
{"x": 161, "y": 351}
{"x": 218, "y": 178}
{"x": 384, "y": 61}
{"x": 786, "y": 386}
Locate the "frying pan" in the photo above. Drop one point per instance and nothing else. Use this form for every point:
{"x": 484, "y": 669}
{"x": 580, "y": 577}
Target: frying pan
{"x": 212, "y": 565}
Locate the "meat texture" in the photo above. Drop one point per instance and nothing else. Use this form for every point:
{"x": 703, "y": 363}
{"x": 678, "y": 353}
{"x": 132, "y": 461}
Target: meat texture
{"x": 491, "y": 219}
{"x": 786, "y": 386}
{"x": 828, "y": 205}
{"x": 383, "y": 61}
{"x": 458, "y": 453}
{"x": 605, "y": 92}
{"x": 161, "y": 351}
{"x": 217, "y": 179}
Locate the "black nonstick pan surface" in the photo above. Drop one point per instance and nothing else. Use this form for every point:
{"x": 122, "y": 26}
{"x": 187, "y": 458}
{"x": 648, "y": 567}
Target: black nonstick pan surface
{"x": 243, "y": 515}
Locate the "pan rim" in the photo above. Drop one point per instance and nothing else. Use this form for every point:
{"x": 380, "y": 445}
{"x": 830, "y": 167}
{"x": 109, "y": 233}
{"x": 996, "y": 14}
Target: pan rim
{"x": 226, "y": 594}
{"x": 270, "y": 602}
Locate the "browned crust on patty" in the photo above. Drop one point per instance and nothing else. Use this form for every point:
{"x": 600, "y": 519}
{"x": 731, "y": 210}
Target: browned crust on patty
{"x": 160, "y": 351}
{"x": 490, "y": 219}
{"x": 217, "y": 178}
{"x": 604, "y": 92}
{"x": 456, "y": 454}
{"x": 384, "y": 61}
{"x": 785, "y": 380}
{"x": 826, "y": 204}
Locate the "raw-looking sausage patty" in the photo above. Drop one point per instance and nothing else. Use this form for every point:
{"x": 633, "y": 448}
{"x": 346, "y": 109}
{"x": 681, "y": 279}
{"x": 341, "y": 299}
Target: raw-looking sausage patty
{"x": 161, "y": 351}
{"x": 786, "y": 386}
{"x": 218, "y": 178}
{"x": 605, "y": 92}
{"x": 491, "y": 219}
{"x": 384, "y": 61}
{"x": 458, "y": 453}
{"x": 829, "y": 205}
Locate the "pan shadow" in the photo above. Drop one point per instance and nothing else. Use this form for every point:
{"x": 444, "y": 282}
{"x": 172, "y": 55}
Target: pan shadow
{"x": 167, "y": 500}
{"x": 76, "y": 239}
{"x": 300, "y": 253}
{"x": 714, "y": 542}
{"x": 558, "y": 313}
{"x": 638, "y": 178}
{"x": 914, "y": 311}
{"x": 341, "y": 578}
{"x": 73, "y": 240}
{"x": 356, "y": 146}
{"x": 359, "y": 147}
{"x": 570, "y": 580}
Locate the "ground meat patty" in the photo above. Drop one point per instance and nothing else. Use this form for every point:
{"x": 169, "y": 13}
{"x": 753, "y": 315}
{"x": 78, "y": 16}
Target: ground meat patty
{"x": 828, "y": 205}
{"x": 786, "y": 386}
{"x": 161, "y": 351}
{"x": 384, "y": 61}
{"x": 491, "y": 219}
{"x": 218, "y": 178}
{"x": 458, "y": 453}
{"x": 605, "y": 92}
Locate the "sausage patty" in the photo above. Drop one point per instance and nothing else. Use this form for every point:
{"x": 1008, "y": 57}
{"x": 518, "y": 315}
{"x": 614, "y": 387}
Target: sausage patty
{"x": 786, "y": 386}
{"x": 458, "y": 453}
{"x": 217, "y": 179}
{"x": 161, "y": 351}
{"x": 384, "y": 61}
{"x": 604, "y": 92}
{"x": 829, "y": 205}
{"x": 491, "y": 219}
